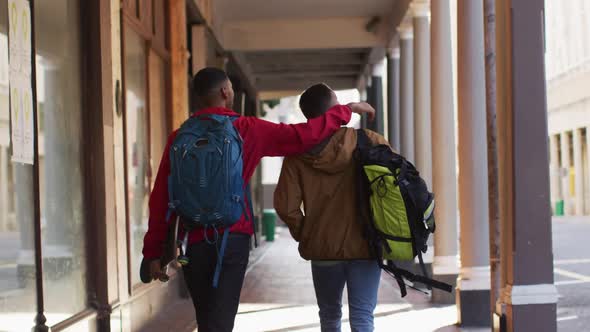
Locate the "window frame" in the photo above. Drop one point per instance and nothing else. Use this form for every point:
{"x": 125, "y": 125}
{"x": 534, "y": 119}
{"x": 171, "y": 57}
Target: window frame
{"x": 155, "y": 38}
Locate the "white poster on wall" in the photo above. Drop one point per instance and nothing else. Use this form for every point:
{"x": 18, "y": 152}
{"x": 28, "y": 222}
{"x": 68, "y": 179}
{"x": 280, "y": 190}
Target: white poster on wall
{"x": 20, "y": 81}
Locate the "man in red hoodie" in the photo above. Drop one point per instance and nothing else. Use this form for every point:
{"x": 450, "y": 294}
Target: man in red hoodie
{"x": 212, "y": 91}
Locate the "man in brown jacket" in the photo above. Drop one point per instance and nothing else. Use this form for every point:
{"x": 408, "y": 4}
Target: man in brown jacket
{"x": 316, "y": 198}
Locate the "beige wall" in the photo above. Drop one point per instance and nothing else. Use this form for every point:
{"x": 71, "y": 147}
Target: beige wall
{"x": 568, "y": 101}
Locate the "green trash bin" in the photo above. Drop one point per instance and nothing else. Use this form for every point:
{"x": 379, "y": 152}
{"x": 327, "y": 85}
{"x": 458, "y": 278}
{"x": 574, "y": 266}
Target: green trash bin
{"x": 268, "y": 223}
{"x": 559, "y": 208}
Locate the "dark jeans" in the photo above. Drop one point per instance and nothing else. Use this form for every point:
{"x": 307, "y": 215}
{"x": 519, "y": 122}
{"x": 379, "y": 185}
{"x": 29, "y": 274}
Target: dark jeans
{"x": 216, "y": 308}
{"x": 362, "y": 280}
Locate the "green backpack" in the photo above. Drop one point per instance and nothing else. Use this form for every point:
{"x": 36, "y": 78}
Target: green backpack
{"x": 397, "y": 208}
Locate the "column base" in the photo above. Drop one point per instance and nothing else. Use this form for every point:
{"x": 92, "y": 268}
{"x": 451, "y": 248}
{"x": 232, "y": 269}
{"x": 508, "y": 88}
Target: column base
{"x": 473, "y": 297}
{"x": 440, "y": 296}
{"x": 474, "y": 307}
{"x": 530, "y": 307}
{"x": 445, "y": 269}
{"x": 531, "y": 317}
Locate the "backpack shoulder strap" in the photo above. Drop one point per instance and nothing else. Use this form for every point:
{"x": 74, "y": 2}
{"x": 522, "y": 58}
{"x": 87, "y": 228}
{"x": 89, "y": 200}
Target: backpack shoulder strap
{"x": 362, "y": 139}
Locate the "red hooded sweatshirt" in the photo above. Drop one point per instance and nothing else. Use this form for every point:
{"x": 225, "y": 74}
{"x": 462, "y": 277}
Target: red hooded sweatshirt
{"x": 261, "y": 139}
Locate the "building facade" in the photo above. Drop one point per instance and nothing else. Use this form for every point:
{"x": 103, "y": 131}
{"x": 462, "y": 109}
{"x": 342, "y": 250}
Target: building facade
{"x": 568, "y": 75}
{"x": 72, "y": 224}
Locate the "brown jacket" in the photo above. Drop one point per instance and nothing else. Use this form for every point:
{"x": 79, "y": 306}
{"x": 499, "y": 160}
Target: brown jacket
{"x": 322, "y": 184}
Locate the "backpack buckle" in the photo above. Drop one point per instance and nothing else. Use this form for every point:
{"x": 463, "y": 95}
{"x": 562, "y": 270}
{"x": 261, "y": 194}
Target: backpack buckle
{"x": 173, "y": 205}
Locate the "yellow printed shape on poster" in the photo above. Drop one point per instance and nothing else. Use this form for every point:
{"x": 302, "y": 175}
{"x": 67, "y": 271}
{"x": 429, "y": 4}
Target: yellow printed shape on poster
{"x": 13, "y": 20}
{"x": 25, "y": 24}
{"x": 27, "y": 107}
{"x": 14, "y": 101}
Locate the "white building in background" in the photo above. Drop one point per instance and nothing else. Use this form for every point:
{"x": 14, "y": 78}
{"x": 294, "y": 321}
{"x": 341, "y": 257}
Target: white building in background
{"x": 288, "y": 111}
{"x": 568, "y": 101}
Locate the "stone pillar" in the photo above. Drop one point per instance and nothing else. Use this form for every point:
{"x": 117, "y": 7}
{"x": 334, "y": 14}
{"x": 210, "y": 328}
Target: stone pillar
{"x": 406, "y": 91}
{"x": 473, "y": 284}
{"x": 371, "y": 100}
{"x": 566, "y": 164}
{"x": 529, "y": 297}
{"x": 588, "y": 167}
{"x": 239, "y": 102}
{"x": 377, "y": 98}
{"x": 446, "y": 260}
{"x": 198, "y": 47}
{"x": 364, "y": 97}
{"x": 3, "y": 189}
{"x": 578, "y": 173}
{"x": 393, "y": 116}
{"x": 178, "y": 62}
{"x": 554, "y": 170}
{"x": 422, "y": 101}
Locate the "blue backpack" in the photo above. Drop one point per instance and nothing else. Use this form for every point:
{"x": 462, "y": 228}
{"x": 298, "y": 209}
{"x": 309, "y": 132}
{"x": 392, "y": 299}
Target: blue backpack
{"x": 205, "y": 186}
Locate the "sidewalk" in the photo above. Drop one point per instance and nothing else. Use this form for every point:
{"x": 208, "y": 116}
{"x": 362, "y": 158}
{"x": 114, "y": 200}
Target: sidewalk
{"x": 278, "y": 295}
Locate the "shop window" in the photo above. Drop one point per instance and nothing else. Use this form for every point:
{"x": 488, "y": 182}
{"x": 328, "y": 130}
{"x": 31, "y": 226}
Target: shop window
{"x": 17, "y": 254}
{"x": 59, "y": 104}
{"x": 136, "y": 136}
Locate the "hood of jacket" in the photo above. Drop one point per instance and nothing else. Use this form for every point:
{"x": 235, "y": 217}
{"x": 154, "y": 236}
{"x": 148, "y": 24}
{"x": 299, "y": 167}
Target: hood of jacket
{"x": 335, "y": 154}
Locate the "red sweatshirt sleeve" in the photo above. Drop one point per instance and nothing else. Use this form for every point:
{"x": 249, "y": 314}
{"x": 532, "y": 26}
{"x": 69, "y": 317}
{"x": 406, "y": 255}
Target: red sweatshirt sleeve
{"x": 273, "y": 140}
{"x": 155, "y": 236}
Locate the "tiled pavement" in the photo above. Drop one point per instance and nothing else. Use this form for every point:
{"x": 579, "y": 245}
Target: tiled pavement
{"x": 278, "y": 296}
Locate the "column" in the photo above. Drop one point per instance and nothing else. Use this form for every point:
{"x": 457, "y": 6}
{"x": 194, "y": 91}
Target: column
{"x": 377, "y": 98}
{"x": 178, "y": 62}
{"x": 578, "y": 173}
{"x": 565, "y": 171}
{"x": 198, "y": 61}
{"x": 473, "y": 284}
{"x": 446, "y": 260}
{"x": 529, "y": 297}
{"x": 365, "y": 96}
{"x": 198, "y": 47}
{"x": 239, "y": 102}
{"x": 406, "y": 89}
{"x": 371, "y": 100}
{"x": 393, "y": 116}
{"x": 3, "y": 189}
{"x": 422, "y": 102}
{"x": 587, "y": 169}
{"x": 554, "y": 170}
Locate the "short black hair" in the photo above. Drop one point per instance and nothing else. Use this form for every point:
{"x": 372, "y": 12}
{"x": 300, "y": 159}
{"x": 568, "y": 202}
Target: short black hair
{"x": 206, "y": 80}
{"x": 316, "y": 100}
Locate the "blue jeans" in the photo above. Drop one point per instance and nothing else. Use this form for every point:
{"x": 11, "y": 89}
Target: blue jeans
{"x": 362, "y": 281}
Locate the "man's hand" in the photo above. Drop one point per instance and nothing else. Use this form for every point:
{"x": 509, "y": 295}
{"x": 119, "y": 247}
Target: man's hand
{"x": 363, "y": 108}
{"x": 156, "y": 271}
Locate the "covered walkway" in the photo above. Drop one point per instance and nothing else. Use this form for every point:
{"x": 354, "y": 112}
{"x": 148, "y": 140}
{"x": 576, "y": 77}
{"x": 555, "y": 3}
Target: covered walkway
{"x": 454, "y": 94}
{"x": 278, "y": 295}
{"x": 446, "y": 97}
